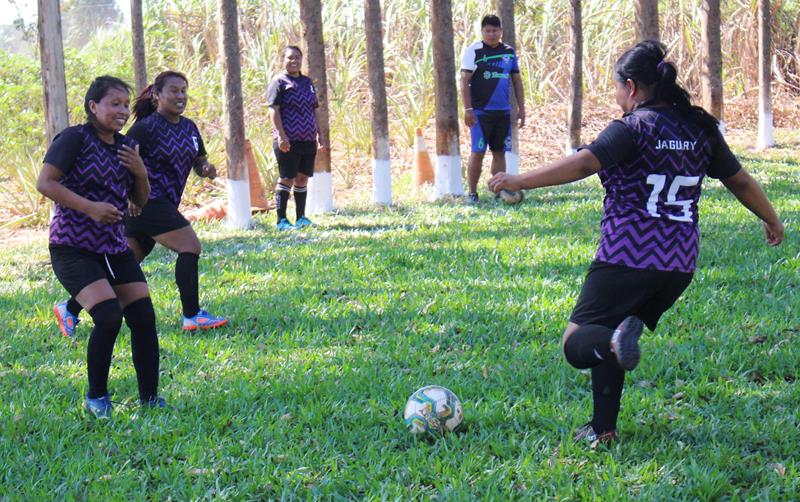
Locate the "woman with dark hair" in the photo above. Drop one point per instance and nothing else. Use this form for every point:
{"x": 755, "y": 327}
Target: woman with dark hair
{"x": 91, "y": 171}
{"x": 171, "y": 146}
{"x": 651, "y": 163}
{"x": 293, "y": 109}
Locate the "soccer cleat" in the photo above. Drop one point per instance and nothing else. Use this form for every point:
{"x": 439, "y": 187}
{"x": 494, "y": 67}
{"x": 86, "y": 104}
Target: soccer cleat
{"x": 154, "y": 402}
{"x": 586, "y": 434}
{"x": 100, "y": 407}
{"x": 625, "y": 342}
{"x": 473, "y": 198}
{"x": 66, "y": 321}
{"x": 303, "y": 222}
{"x": 203, "y": 320}
{"x": 284, "y": 224}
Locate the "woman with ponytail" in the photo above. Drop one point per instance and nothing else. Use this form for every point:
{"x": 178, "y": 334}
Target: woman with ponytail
{"x": 651, "y": 163}
{"x": 171, "y": 146}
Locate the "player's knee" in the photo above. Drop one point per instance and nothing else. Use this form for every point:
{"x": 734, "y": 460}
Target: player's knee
{"x": 140, "y": 312}
{"x": 571, "y": 348}
{"x": 107, "y": 315}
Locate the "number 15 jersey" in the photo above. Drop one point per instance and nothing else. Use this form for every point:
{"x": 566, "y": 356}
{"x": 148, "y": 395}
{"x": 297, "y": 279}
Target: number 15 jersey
{"x": 653, "y": 164}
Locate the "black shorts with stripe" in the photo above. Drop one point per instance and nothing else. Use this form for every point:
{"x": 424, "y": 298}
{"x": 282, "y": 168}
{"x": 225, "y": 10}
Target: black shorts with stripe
{"x": 76, "y": 268}
{"x": 158, "y": 216}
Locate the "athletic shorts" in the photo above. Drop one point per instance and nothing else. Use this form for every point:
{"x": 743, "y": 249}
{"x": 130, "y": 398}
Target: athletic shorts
{"x": 159, "y": 216}
{"x": 299, "y": 159}
{"x": 611, "y": 293}
{"x": 492, "y": 129}
{"x": 77, "y": 268}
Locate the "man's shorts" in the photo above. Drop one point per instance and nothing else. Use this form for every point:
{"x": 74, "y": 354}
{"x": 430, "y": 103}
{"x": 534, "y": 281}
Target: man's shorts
{"x": 299, "y": 159}
{"x": 159, "y": 216}
{"x": 492, "y": 129}
{"x": 612, "y": 292}
{"x": 76, "y": 268}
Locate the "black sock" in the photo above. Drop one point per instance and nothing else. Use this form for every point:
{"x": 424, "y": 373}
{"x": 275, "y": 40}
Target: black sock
{"x": 141, "y": 319}
{"x": 186, "y": 279}
{"x": 73, "y": 307}
{"x": 281, "y": 200}
{"x": 300, "y": 195}
{"x": 607, "y": 382}
{"x": 589, "y": 346}
{"x": 107, "y": 316}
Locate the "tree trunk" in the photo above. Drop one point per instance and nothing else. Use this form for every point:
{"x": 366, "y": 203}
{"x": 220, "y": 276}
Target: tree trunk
{"x": 576, "y": 88}
{"x": 51, "y": 49}
{"x": 137, "y": 36}
{"x": 711, "y": 74}
{"x": 448, "y": 156}
{"x": 765, "y": 138}
{"x": 505, "y": 10}
{"x": 382, "y": 173}
{"x": 233, "y": 117}
{"x": 647, "y": 20}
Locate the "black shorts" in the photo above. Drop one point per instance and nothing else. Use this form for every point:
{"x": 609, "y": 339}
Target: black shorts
{"x": 77, "y": 268}
{"x": 299, "y": 159}
{"x": 159, "y": 216}
{"x": 611, "y": 293}
{"x": 492, "y": 129}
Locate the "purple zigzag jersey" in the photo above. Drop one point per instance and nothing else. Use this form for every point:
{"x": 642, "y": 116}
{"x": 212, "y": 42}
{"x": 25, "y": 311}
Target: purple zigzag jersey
{"x": 297, "y": 99}
{"x": 650, "y": 208}
{"x": 96, "y": 175}
{"x": 169, "y": 151}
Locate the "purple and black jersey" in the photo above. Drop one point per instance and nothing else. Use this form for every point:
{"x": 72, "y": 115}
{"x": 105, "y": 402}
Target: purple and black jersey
{"x": 653, "y": 163}
{"x": 169, "y": 152}
{"x": 92, "y": 170}
{"x": 491, "y": 69}
{"x": 297, "y": 99}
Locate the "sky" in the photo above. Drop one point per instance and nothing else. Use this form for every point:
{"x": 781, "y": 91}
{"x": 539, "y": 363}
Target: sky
{"x": 8, "y": 10}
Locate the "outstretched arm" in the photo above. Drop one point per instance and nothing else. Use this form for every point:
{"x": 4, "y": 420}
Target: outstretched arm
{"x": 566, "y": 170}
{"x": 752, "y": 196}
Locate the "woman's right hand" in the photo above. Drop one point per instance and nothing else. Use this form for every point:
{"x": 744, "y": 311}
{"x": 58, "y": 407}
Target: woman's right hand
{"x": 773, "y": 233}
{"x": 103, "y": 212}
{"x": 283, "y": 145}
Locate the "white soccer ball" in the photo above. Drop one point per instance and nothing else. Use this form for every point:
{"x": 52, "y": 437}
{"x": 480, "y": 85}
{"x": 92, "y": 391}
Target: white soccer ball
{"x": 433, "y": 409}
{"x": 510, "y": 197}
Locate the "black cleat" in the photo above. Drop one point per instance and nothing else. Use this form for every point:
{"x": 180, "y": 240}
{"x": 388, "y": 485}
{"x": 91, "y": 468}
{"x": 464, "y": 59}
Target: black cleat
{"x": 625, "y": 342}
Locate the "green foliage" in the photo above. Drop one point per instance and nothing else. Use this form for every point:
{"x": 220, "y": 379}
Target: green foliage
{"x": 332, "y": 329}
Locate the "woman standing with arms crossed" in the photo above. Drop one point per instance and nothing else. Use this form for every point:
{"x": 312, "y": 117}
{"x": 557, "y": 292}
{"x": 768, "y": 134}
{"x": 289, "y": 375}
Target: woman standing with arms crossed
{"x": 651, "y": 163}
{"x": 293, "y": 109}
{"x": 91, "y": 171}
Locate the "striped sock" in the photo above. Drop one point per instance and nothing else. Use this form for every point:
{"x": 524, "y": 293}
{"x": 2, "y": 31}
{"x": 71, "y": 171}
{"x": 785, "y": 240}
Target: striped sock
{"x": 282, "y": 200}
{"x": 300, "y": 195}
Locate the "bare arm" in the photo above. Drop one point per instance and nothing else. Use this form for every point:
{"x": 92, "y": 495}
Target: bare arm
{"x": 48, "y": 184}
{"x": 277, "y": 123}
{"x": 519, "y": 93}
{"x": 566, "y": 170}
{"x": 752, "y": 196}
{"x": 466, "y": 98}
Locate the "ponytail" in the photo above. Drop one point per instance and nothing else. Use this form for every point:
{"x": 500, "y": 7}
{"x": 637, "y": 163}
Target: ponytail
{"x": 645, "y": 65}
{"x": 145, "y": 103}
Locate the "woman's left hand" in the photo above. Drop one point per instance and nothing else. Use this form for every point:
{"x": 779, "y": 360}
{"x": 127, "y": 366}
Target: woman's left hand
{"x": 130, "y": 159}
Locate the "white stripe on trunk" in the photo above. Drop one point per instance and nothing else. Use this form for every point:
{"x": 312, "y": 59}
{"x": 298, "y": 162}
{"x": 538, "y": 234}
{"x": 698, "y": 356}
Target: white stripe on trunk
{"x": 765, "y": 137}
{"x": 512, "y": 163}
{"x": 382, "y": 182}
{"x": 238, "y": 204}
{"x": 448, "y": 176}
{"x": 320, "y": 193}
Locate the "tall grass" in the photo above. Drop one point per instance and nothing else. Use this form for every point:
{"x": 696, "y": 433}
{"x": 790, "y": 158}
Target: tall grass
{"x": 183, "y": 36}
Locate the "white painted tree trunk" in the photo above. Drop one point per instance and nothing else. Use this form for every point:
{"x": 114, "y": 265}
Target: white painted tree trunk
{"x": 381, "y": 171}
{"x": 51, "y": 49}
{"x": 765, "y": 134}
{"x": 505, "y": 9}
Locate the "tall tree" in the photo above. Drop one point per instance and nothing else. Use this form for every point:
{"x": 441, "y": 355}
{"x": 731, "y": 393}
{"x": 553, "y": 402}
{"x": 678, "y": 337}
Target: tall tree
{"x": 575, "y": 113}
{"x": 137, "y": 37}
{"x": 233, "y": 117}
{"x": 765, "y": 138}
{"x": 448, "y": 156}
{"x": 711, "y": 74}
{"x": 54, "y": 81}
{"x": 382, "y": 172}
{"x": 321, "y": 187}
{"x": 647, "y": 20}
{"x": 505, "y": 10}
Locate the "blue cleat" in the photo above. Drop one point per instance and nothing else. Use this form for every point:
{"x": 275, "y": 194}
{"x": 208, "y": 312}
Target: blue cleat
{"x": 284, "y": 224}
{"x": 66, "y": 321}
{"x": 303, "y": 222}
{"x": 203, "y": 320}
{"x": 100, "y": 407}
{"x": 155, "y": 402}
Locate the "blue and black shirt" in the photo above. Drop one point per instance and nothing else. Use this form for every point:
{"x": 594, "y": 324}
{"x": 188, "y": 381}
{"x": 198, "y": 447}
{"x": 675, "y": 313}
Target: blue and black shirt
{"x": 491, "y": 69}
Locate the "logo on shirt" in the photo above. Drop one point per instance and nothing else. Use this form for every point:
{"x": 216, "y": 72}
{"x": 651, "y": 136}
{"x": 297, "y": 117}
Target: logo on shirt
{"x": 675, "y": 144}
{"x": 488, "y": 75}
{"x": 196, "y": 145}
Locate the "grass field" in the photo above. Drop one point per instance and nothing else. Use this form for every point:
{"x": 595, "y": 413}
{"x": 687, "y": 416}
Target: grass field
{"x": 333, "y": 328}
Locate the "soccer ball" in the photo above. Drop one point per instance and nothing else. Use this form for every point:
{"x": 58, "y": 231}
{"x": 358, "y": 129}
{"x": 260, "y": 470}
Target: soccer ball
{"x": 433, "y": 409}
{"x": 510, "y": 197}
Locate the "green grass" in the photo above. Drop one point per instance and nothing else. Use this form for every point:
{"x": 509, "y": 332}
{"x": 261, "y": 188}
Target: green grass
{"x": 334, "y": 327}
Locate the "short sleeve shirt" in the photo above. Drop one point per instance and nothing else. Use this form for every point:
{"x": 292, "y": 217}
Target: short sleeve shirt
{"x": 169, "y": 151}
{"x": 92, "y": 170}
{"x": 653, "y": 164}
{"x": 297, "y": 99}
{"x": 491, "y": 69}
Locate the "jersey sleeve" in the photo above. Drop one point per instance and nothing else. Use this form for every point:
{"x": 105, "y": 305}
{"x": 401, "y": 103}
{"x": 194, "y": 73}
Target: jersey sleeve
{"x": 468, "y": 59}
{"x": 65, "y": 149}
{"x": 274, "y": 93}
{"x": 615, "y": 144}
{"x": 724, "y": 163}
{"x": 514, "y": 63}
{"x": 139, "y": 133}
